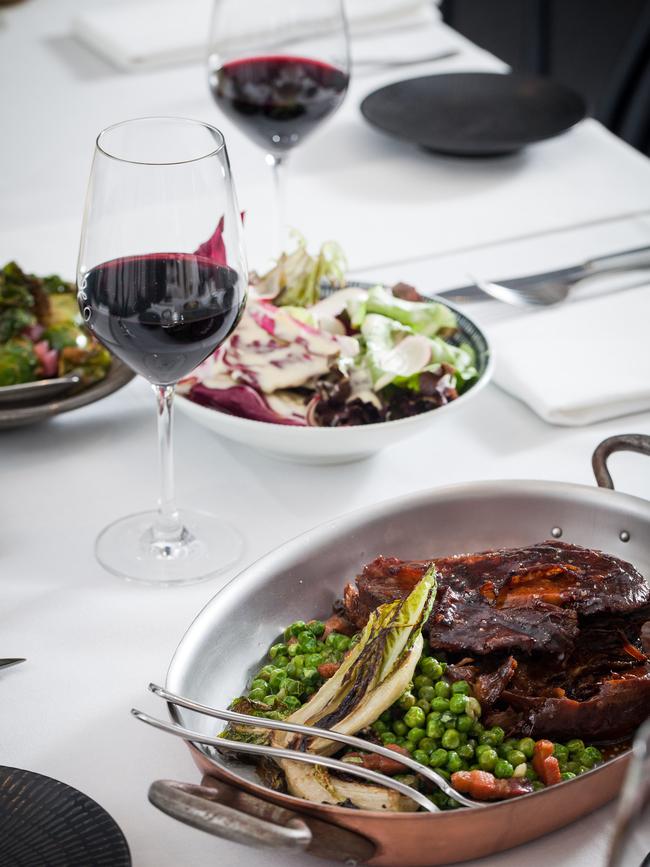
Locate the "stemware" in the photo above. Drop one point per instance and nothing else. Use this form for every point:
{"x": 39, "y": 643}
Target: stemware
{"x": 278, "y": 69}
{"x": 162, "y": 282}
{"x": 631, "y": 841}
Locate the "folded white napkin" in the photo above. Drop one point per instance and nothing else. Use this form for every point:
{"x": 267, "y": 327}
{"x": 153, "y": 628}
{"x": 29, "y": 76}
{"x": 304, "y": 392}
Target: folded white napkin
{"x": 579, "y": 363}
{"x": 149, "y": 33}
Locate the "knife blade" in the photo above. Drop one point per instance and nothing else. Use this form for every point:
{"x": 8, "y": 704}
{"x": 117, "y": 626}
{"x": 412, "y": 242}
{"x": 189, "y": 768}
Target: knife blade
{"x": 5, "y": 663}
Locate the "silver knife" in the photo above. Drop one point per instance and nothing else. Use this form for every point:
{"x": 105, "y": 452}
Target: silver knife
{"x": 5, "y": 663}
{"x": 626, "y": 260}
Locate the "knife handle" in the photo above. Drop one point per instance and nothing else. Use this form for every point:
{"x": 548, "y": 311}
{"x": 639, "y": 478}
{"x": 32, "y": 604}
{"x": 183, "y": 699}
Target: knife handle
{"x": 626, "y": 260}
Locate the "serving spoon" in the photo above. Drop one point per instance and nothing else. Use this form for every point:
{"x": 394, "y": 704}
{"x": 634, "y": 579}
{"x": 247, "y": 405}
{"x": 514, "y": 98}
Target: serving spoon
{"x": 28, "y": 392}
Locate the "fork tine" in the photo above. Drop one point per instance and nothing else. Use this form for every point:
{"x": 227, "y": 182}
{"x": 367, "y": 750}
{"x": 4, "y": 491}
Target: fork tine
{"x": 292, "y": 755}
{"x": 312, "y": 731}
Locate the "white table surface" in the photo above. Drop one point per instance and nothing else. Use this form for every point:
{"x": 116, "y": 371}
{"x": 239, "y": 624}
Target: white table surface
{"x": 92, "y": 642}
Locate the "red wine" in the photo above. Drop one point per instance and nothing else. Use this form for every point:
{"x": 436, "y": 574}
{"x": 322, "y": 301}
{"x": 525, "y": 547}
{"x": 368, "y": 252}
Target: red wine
{"x": 163, "y": 313}
{"x": 278, "y": 100}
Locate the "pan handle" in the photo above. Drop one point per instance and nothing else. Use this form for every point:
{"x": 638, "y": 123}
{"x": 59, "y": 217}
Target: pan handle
{"x": 202, "y": 808}
{"x": 236, "y": 815}
{"x": 619, "y": 443}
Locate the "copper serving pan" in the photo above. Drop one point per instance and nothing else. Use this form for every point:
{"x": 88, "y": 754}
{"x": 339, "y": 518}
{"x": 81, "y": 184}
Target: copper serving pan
{"x": 301, "y": 579}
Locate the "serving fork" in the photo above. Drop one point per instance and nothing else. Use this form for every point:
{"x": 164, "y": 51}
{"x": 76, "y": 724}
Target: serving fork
{"x": 295, "y": 755}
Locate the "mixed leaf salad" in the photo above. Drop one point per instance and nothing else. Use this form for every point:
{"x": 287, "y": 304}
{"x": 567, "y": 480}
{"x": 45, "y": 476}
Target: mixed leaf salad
{"x": 354, "y": 357}
{"x": 41, "y": 331}
{"x": 386, "y": 686}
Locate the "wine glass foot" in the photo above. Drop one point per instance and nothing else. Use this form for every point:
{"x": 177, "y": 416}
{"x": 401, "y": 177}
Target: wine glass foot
{"x": 206, "y": 546}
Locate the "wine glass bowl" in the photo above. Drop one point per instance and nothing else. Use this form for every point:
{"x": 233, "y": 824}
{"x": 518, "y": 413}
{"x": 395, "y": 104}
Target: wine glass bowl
{"x": 162, "y": 282}
{"x": 278, "y": 70}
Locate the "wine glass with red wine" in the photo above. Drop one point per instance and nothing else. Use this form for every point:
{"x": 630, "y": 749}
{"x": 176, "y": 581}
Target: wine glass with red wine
{"x": 162, "y": 282}
{"x": 277, "y": 69}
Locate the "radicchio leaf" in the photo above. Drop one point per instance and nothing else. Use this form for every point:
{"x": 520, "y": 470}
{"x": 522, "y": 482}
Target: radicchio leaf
{"x": 240, "y": 400}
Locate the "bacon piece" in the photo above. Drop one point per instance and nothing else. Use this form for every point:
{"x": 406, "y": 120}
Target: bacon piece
{"x": 545, "y": 765}
{"x": 381, "y": 764}
{"x": 486, "y": 787}
{"x": 328, "y": 669}
{"x": 337, "y": 623}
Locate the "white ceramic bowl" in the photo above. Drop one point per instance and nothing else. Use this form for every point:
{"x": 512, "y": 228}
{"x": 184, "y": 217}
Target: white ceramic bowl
{"x": 339, "y": 445}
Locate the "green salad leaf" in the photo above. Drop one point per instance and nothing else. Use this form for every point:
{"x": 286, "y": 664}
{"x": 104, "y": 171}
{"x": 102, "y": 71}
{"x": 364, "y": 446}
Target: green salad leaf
{"x": 296, "y": 278}
{"x": 428, "y": 318}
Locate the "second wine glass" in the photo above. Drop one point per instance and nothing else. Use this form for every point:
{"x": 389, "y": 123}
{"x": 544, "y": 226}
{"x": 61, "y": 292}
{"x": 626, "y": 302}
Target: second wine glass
{"x": 162, "y": 282}
{"x": 278, "y": 69}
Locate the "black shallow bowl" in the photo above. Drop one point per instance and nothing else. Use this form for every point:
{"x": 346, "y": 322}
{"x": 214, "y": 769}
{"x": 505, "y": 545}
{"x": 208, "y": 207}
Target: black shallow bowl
{"x": 45, "y": 823}
{"x": 474, "y": 113}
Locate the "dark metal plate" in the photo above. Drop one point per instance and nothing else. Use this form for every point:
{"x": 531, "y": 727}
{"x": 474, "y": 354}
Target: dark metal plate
{"x": 474, "y": 113}
{"x": 45, "y": 823}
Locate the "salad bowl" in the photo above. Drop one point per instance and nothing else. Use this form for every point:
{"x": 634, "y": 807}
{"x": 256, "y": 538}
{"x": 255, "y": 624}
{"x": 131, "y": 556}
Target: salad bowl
{"x": 301, "y": 579}
{"x": 346, "y": 443}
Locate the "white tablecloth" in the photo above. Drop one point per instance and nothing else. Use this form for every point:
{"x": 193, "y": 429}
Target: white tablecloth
{"x": 92, "y": 642}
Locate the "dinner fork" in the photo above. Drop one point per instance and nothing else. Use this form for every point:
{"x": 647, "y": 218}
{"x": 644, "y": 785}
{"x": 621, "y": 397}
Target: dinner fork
{"x": 553, "y": 287}
{"x": 309, "y": 758}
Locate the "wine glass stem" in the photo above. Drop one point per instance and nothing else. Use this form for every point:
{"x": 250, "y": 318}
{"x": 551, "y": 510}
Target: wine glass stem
{"x": 278, "y": 167}
{"x": 168, "y": 527}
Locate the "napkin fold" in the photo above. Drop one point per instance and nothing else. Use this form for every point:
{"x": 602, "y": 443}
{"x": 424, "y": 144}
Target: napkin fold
{"x": 580, "y": 362}
{"x": 148, "y": 33}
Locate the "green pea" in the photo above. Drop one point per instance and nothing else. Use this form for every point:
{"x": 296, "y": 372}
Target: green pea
{"x": 292, "y": 702}
{"x": 503, "y": 769}
{"x": 442, "y": 688}
{"x": 379, "y": 727}
{"x": 460, "y": 687}
{"x": 266, "y": 672}
{"x": 488, "y": 759}
{"x": 341, "y": 642}
{"x": 388, "y": 738}
{"x": 307, "y": 642}
{"x": 440, "y": 703}
{"x": 457, "y": 703}
{"x": 515, "y": 757}
{"x": 422, "y": 680}
{"x": 464, "y": 723}
{"x": 406, "y": 700}
{"x": 560, "y": 752}
{"x": 292, "y": 649}
{"x": 530, "y": 774}
{"x": 481, "y": 748}
{"x": 575, "y": 745}
{"x": 427, "y": 744}
{"x": 415, "y": 735}
{"x": 511, "y": 743}
{"x": 434, "y": 716}
{"x": 316, "y": 627}
{"x": 281, "y": 661}
{"x": 426, "y": 693}
{"x": 568, "y": 775}
{"x": 421, "y": 756}
{"x": 415, "y": 716}
{"x": 313, "y": 660}
{"x": 293, "y": 687}
{"x": 276, "y": 680}
{"x": 487, "y": 738}
{"x": 451, "y": 739}
{"x": 439, "y": 799}
{"x": 309, "y": 674}
{"x": 400, "y": 728}
{"x": 296, "y": 628}
{"x": 537, "y": 786}
{"x": 431, "y": 667}
{"x": 466, "y": 751}
{"x": 443, "y": 772}
{"x": 270, "y": 700}
{"x": 277, "y": 648}
{"x": 424, "y": 704}
{"x": 498, "y": 734}
{"x": 454, "y": 762}
{"x": 572, "y": 767}
{"x": 386, "y": 717}
{"x": 589, "y": 757}
{"x": 258, "y": 683}
{"x": 435, "y": 729}
{"x": 527, "y": 747}
{"x": 447, "y": 718}
{"x": 438, "y": 758}
{"x": 257, "y": 694}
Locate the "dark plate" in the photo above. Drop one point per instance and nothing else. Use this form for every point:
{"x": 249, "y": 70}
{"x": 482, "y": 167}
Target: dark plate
{"x": 45, "y": 823}
{"x": 118, "y": 375}
{"x": 474, "y": 113}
